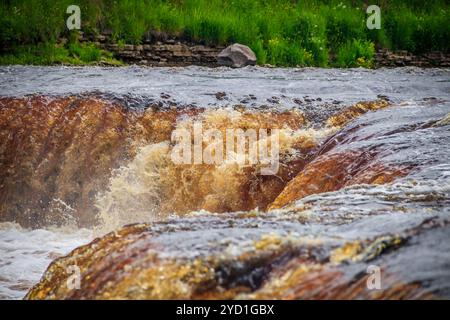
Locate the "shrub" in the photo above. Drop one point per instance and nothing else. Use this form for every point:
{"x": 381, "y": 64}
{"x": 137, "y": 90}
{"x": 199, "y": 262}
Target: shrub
{"x": 400, "y": 27}
{"x": 85, "y": 53}
{"x": 343, "y": 25}
{"x": 284, "y": 53}
{"x": 356, "y": 53}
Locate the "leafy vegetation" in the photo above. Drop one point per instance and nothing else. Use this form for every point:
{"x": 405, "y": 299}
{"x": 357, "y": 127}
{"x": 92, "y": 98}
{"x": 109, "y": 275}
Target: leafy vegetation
{"x": 281, "y": 32}
{"x": 50, "y": 53}
{"x": 356, "y": 53}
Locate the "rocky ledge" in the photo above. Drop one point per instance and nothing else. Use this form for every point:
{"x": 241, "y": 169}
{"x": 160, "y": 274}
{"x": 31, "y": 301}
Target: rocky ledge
{"x": 159, "y": 50}
{"x": 402, "y": 58}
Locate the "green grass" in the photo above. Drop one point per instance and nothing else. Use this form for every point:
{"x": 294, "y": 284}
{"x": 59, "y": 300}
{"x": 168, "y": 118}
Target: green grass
{"x": 50, "y": 54}
{"x": 356, "y": 53}
{"x": 281, "y": 32}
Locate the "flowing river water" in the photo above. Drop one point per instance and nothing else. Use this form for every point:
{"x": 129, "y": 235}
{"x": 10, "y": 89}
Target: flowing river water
{"x": 364, "y": 181}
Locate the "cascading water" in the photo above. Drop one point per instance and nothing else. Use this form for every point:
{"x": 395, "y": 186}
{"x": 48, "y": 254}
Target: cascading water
{"x": 363, "y": 180}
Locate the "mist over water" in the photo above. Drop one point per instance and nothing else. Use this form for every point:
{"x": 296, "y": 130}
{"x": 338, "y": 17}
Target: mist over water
{"x": 103, "y": 161}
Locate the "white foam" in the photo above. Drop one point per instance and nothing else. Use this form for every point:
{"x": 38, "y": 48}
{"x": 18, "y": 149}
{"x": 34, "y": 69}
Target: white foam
{"x": 25, "y": 254}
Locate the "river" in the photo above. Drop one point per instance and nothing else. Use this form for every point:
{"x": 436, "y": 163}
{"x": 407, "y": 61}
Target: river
{"x": 65, "y": 181}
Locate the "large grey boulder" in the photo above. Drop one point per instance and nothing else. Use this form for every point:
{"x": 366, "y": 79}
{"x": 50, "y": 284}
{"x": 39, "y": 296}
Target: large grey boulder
{"x": 236, "y": 56}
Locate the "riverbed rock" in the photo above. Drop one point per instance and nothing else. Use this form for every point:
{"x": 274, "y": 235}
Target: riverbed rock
{"x": 251, "y": 256}
{"x": 363, "y": 152}
{"x": 236, "y": 56}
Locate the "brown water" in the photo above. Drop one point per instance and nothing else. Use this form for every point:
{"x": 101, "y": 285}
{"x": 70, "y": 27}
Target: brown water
{"x": 359, "y": 183}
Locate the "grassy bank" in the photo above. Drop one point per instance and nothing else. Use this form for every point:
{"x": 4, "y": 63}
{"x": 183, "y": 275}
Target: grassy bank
{"x": 52, "y": 53}
{"x": 281, "y": 32}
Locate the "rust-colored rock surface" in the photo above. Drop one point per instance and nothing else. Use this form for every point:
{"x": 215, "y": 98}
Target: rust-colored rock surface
{"x": 332, "y": 172}
{"x": 173, "y": 261}
{"x": 342, "y": 161}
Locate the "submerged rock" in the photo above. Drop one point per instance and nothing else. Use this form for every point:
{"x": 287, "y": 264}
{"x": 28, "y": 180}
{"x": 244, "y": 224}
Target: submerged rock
{"x": 236, "y": 56}
{"x": 377, "y": 148}
{"x": 259, "y": 256}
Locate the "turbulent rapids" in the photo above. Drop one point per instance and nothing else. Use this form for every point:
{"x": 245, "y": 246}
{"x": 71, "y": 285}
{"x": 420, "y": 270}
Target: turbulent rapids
{"x": 363, "y": 183}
